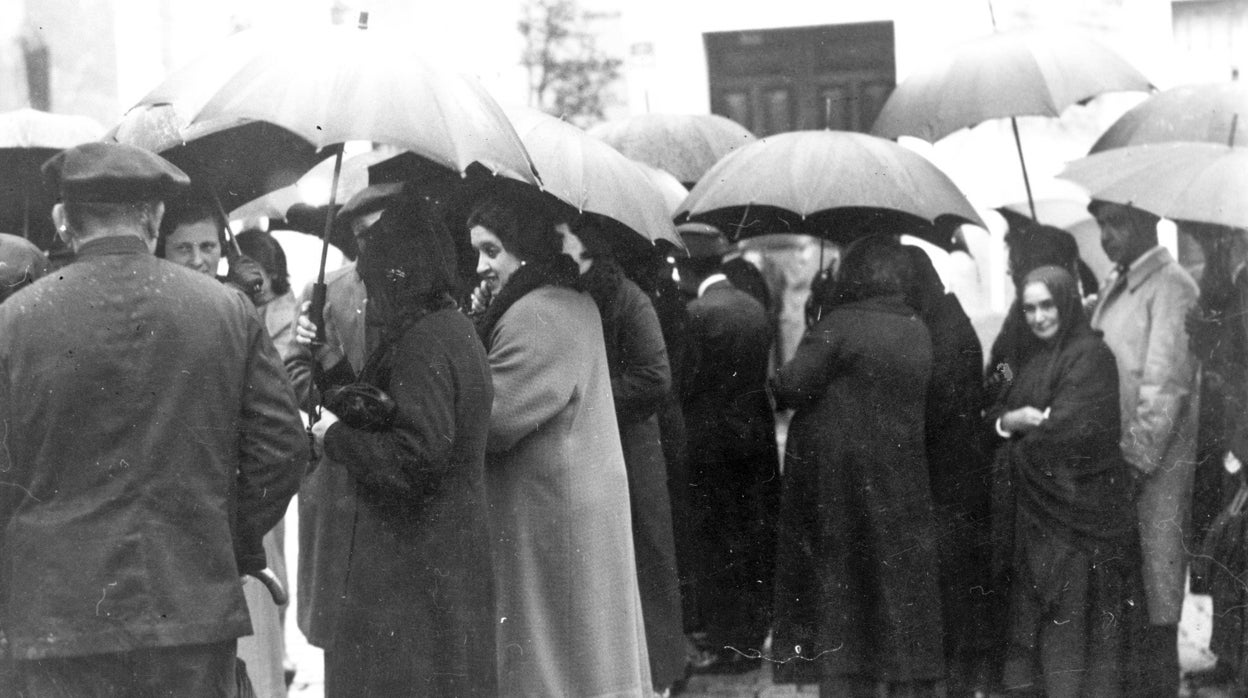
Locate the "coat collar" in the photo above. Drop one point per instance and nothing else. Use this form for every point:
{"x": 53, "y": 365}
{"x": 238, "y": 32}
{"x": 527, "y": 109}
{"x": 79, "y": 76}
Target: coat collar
{"x": 1148, "y": 264}
{"x": 112, "y": 245}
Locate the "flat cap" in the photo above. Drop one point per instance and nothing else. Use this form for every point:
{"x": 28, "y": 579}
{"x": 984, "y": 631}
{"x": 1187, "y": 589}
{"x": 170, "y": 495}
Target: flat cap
{"x": 112, "y": 173}
{"x": 703, "y": 240}
{"x": 370, "y": 199}
{"x": 20, "y": 261}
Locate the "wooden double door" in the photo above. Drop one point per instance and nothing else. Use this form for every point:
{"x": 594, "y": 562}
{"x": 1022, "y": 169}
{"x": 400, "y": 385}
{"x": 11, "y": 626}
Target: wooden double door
{"x": 776, "y": 80}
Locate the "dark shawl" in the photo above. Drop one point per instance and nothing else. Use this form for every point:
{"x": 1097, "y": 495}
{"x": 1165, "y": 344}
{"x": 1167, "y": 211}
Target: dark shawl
{"x": 1068, "y": 474}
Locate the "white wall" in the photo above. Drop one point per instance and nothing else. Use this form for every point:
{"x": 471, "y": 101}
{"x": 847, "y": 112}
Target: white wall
{"x": 672, "y": 76}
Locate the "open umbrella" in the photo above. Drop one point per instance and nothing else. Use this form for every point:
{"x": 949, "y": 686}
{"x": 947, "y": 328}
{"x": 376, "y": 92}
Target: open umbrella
{"x": 673, "y": 191}
{"x": 829, "y": 184}
{"x": 313, "y": 187}
{"x": 1004, "y": 75}
{"x": 593, "y": 177}
{"x": 1203, "y": 182}
{"x": 236, "y": 159}
{"x": 339, "y": 84}
{"x": 1208, "y": 112}
{"x": 27, "y": 139}
{"x": 686, "y": 145}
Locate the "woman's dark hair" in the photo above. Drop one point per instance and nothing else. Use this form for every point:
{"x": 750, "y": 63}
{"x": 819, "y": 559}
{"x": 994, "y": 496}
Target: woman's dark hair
{"x": 261, "y": 247}
{"x": 923, "y": 287}
{"x": 872, "y": 266}
{"x": 1065, "y": 292}
{"x": 596, "y": 241}
{"x": 410, "y": 261}
{"x": 191, "y": 208}
{"x": 526, "y": 227}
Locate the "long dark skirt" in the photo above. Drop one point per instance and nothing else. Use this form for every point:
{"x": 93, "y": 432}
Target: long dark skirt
{"x": 1070, "y": 610}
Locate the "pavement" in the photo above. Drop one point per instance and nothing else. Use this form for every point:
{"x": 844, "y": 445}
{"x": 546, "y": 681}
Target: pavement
{"x": 309, "y": 680}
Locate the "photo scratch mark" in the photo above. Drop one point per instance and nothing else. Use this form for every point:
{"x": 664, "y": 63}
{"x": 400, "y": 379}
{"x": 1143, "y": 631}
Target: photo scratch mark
{"x": 103, "y": 593}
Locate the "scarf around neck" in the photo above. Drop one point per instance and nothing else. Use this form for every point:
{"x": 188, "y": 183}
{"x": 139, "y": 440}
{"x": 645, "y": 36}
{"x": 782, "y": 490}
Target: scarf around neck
{"x": 558, "y": 270}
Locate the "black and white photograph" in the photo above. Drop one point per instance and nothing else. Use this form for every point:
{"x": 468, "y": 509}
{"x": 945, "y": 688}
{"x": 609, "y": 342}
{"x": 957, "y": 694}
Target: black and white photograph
{"x": 623, "y": 349}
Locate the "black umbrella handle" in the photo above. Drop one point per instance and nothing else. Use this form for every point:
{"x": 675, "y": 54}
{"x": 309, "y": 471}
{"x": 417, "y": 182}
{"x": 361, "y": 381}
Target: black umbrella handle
{"x": 316, "y": 312}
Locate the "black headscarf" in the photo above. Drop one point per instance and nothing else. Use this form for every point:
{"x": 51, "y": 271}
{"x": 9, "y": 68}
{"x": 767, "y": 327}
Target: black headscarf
{"x": 872, "y": 266}
{"x": 1065, "y": 291}
{"x": 409, "y": 266}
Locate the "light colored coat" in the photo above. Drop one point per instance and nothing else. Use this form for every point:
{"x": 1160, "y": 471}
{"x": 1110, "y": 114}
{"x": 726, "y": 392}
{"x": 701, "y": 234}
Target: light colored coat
{"x": 1142, "y": 319}
{"x": 569, "y": 617}
{"x": 327, "y": 503}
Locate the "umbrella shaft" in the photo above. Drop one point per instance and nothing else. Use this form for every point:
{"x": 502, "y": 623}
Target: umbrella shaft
{"x": 1018, "y": 143}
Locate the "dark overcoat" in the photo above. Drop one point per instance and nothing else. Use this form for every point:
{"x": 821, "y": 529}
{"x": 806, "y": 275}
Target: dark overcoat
{"x": 857, "y": 563}
{"x": 417, "y": 615}
{"x": 734, "y": 483}
{"x": 640, "y": 382}
{"x": 144, "y": 407}
{"x": 959, "y": 466}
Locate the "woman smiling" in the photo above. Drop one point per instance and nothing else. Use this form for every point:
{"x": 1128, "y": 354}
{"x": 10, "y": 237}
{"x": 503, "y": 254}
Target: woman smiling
{"x": 569, "y": 614}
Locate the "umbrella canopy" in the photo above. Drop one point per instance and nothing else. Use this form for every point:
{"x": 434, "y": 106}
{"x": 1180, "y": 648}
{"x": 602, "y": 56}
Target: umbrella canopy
{"x": 313, "y": 187}
{"x": 831, "y": 183}
{"x": 1214, "y": 113}
{"x": 1203, "y": 182}
{"x": 237, "y": 159}
{"x": 686, "y": 145}
{"x": 339, "y": 84}
{"x": 30, "y": 128}
{"x": 27, "y": 139}
{"x": 593, "y": 177}
{"x": 1017, "y": 73}
{"x": 673, "y": 191}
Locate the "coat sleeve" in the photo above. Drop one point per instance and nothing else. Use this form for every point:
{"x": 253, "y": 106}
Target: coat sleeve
{"x": 299, "y": 361}
{"x": 273, "y": 447}
{"x": 807, "y": 374}
{"x": 1083, "y": 410}
{"x": 415, "y": 452}
{"x": 645, "y": 379}
{"x": 1167, "y": 381}
{"x": 533, "y": 379}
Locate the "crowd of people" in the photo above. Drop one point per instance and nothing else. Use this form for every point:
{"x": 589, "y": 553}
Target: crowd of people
{"x": 555, "y": 473}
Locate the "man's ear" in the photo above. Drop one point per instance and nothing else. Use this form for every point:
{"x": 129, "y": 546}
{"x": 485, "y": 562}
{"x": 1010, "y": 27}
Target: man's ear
{"x": 59, "y": 219}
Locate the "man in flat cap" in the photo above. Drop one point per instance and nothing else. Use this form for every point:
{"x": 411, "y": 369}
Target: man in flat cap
{"x": 150, "y": 438}
{"x": 327, "y": 497}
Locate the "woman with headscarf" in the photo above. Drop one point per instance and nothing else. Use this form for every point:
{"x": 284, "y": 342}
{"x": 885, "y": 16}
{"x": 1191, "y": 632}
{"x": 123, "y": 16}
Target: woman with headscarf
{"x": 857, "y": 593}
{"x": 1031, "y": 246}
{"x": 1065, "y": 529}
{"x": 569, "y": 614}
{"x": 640, "y": 382}
{"x": 418, "y": 613}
